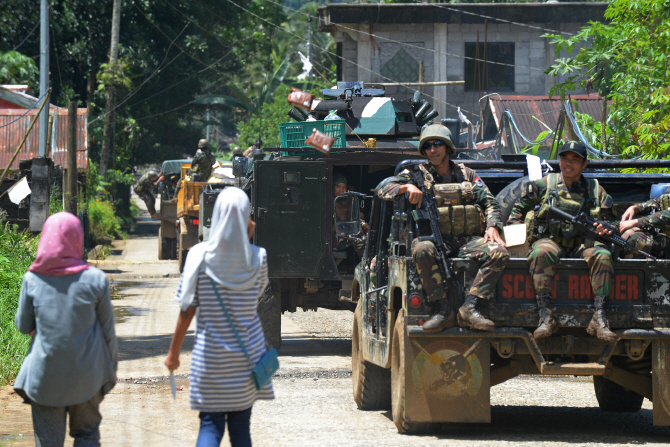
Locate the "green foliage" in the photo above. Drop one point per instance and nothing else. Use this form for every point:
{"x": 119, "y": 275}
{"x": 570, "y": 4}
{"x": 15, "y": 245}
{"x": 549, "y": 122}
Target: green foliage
{"x": 17, "y": 252}
{"x": 533, "y": 149}
{"x": 15, "y": 68}
{"x": 626, "y": 61}
{"x": 102, "y": 219}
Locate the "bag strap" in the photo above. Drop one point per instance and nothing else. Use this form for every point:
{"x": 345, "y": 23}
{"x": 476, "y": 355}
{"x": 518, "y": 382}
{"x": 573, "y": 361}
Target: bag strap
{"x": 230, "y": 320}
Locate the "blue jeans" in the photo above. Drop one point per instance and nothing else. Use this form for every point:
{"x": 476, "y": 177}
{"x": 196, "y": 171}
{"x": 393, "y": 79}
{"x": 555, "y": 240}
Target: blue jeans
{"x": 213, "y": 425}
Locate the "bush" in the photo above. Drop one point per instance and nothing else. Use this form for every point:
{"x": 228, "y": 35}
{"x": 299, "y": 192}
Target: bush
{"x": 102, "y": 218}
{"x": 17, "y": 252}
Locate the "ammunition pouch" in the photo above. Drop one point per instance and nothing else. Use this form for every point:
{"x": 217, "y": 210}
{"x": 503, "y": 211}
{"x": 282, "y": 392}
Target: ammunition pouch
{"x": 458, "y": 215}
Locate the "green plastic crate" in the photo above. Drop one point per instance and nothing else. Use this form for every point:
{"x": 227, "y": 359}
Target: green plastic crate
{"x": 293, "y": 135}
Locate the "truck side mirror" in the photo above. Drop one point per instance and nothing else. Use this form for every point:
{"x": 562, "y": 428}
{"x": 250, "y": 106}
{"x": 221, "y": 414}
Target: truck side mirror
{"x": 240, "y": 163}
{"x": 347, "y": 221}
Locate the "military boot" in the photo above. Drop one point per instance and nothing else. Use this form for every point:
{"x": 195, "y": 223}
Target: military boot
{"x": 443, "y": 319}
{"x": 599, "y": 327}
{"x": 468, "y": 316}
{"x": 547, "y": 325}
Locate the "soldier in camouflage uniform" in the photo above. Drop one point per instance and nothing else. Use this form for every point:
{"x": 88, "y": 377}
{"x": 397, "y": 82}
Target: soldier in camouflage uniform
{"x": 201, "y": 165}
{"x": 143, "y": 189}
{"x": 648, "y": 233}
{"x": 572, "y": 193}
{"x": 483, "y": 244}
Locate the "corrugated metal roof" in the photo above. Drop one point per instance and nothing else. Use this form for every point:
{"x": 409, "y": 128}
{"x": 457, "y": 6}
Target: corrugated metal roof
{"x": 11, "y": 136}
{"x": 527, "y": 110}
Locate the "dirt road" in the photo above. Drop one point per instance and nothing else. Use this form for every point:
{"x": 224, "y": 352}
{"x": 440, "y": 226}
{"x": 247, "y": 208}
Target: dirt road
{"x": 314, "y": 404}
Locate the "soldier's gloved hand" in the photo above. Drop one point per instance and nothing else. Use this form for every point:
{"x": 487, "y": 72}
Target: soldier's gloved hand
{"x": 603, "y": 227}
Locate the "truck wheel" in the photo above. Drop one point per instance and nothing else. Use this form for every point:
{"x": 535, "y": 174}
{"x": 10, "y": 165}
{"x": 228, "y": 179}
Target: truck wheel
{"x": 173, "y": 249}
{"x": 398, "y": 381}
{"x": 269, "y": 311}
{"x": 509, "y": 195}
{"x": 372, "y": 383}
{"x": 613, "y": 397}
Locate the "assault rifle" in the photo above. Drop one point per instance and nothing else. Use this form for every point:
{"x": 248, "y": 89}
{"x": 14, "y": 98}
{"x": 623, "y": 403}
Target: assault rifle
{"x": 584, "y": 226}
{"x": 428, "y": 211}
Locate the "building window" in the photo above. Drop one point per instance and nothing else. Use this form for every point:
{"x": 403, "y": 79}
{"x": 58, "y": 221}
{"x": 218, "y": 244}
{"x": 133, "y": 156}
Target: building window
{"x": 487, "y": 76}
{"x": 401, "y": 68}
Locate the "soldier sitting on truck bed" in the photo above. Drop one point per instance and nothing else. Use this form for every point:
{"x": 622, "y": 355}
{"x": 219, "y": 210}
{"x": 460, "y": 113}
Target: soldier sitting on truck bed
{"x": 648, "y": 233}
{"x": 568, "y": 191}
{"x": 201, "y": 166}
{"x": 464, "y": 241}
{"x": 143, "y": 189}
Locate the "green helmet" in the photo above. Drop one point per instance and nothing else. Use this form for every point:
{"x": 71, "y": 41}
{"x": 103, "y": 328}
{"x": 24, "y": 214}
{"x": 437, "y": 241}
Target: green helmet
{"x": 203, "y": 144}
{"x": 152, "y": 174}
{"x": 436, "y": 132}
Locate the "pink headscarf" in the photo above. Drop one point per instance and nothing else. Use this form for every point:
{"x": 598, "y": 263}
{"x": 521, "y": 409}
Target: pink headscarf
{"x": 61, "y": 247}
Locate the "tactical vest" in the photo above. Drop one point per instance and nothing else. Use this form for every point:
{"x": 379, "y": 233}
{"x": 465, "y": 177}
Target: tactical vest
{"x": 572, "y": 203}
{"x": 459, "y": 215}
{"x": 142, "y": 184}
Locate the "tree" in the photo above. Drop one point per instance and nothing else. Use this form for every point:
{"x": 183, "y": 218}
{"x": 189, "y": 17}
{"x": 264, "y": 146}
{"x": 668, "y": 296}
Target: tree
{"x": 626, "y": 61}
{"x": 15, "y": 68}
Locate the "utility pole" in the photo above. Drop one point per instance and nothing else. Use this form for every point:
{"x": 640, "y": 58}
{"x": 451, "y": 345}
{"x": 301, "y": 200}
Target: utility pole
{"x": 71, "y": 183}
{"x": 309, "y": 44}
{"x": 107, "y": 140}
{"x": 44, "y": 73}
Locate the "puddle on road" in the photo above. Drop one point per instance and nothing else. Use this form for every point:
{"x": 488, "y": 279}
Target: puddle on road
{"x": 121, "y": 314}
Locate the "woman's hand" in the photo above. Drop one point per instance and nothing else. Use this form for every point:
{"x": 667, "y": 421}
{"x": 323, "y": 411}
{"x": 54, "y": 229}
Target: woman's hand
{"x": 172, "y": 361}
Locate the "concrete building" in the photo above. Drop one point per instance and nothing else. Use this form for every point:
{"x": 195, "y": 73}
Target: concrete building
{"x": 450, "y": 42}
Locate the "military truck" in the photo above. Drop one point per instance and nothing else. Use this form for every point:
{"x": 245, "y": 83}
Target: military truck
{"x": 168, "y": 232}
{"x": 182, "y": 222}
{"x": 291, "y": 191}
{"x": 427, "y": 378}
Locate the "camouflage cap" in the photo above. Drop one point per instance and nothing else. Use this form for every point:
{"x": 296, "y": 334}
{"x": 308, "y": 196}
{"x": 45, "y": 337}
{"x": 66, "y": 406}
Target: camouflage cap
{"x": 339, "y": 178}
{"x": 577, "y": 147}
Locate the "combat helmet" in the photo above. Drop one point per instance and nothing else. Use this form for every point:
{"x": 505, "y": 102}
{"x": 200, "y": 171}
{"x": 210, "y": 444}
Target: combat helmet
{"x": 202, "y": 144}
{"x": 152, "y": 174}
{"x": 436, "y": 132}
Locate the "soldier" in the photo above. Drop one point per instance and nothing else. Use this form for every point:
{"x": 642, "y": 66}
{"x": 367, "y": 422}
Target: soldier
{"x": 143, "y": 189}
{"x": 464, "y": 239}
{"x": 201, "y": 165}
{"x": 572, "y": 193}
{"x": 648, "y": 233}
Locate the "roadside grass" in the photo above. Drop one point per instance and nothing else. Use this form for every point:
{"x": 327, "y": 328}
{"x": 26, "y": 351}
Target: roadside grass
{"x": 17, "y": 252}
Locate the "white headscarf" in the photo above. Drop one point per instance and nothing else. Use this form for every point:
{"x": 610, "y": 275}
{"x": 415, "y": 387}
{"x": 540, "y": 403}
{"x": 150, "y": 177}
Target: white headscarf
{"x": 227, "y": 257}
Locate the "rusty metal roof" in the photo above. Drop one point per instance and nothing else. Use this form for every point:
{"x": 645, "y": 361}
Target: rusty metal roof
{"x": 11, "y": 136}
{"x": 527, "y": 110}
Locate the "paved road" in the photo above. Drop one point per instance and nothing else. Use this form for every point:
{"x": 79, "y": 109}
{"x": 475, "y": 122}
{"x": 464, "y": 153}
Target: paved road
{"x": 314, "y": 404}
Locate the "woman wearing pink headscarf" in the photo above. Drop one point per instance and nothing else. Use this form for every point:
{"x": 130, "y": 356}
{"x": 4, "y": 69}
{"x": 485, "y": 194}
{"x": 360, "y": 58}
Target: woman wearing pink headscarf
{"x": 72, "y": 359}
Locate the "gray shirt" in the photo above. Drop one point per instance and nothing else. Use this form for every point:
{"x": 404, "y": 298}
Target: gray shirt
{"x": 74, "y": 353}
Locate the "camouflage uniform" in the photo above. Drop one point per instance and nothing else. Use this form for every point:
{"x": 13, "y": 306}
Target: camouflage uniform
{"x": 492, "y": 256}
{"x": 143, "y": 190}
{"x": 201, "y": 165}
{"x": 545, "y": 252}
{"x": 650, "y": 234}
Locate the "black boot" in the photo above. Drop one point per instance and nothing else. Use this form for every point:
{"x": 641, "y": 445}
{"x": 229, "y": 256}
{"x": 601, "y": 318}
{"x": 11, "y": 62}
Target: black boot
{"x": 547, "y": 325}
{"x": 443, "y": 319}
{"x": 599, "y": 327}
{"x": 468, "y": 316}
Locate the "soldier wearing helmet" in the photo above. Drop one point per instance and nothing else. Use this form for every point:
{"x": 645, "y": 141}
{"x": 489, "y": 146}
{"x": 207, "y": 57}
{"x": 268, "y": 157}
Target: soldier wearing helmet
{"x": 143, "y": 189}
{"x": 201, "y": 166}
{"x": 474, "y": 235}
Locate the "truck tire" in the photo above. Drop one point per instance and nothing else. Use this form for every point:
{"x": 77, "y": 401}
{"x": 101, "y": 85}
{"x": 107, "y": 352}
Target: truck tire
{"x": 613, "y": 397}
{"x": 398, "y": 381}
{"x": 371, "y": 383}
{"x": 509, "y": 195}
{"x": 269, "y": 311}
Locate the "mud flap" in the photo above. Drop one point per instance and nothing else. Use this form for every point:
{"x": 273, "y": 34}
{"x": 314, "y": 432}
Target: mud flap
{"x": 661, "y": 381}
{"x": 447, "y": 380}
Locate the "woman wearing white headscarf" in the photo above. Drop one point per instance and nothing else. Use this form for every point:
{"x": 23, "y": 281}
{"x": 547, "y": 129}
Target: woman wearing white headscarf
{"x": 221, "y": 383}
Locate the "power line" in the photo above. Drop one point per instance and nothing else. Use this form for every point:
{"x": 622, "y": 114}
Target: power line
{"x": 26, "y": 38}
{"x": 31, "y": 108}
{"x": 344, "y": 59}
